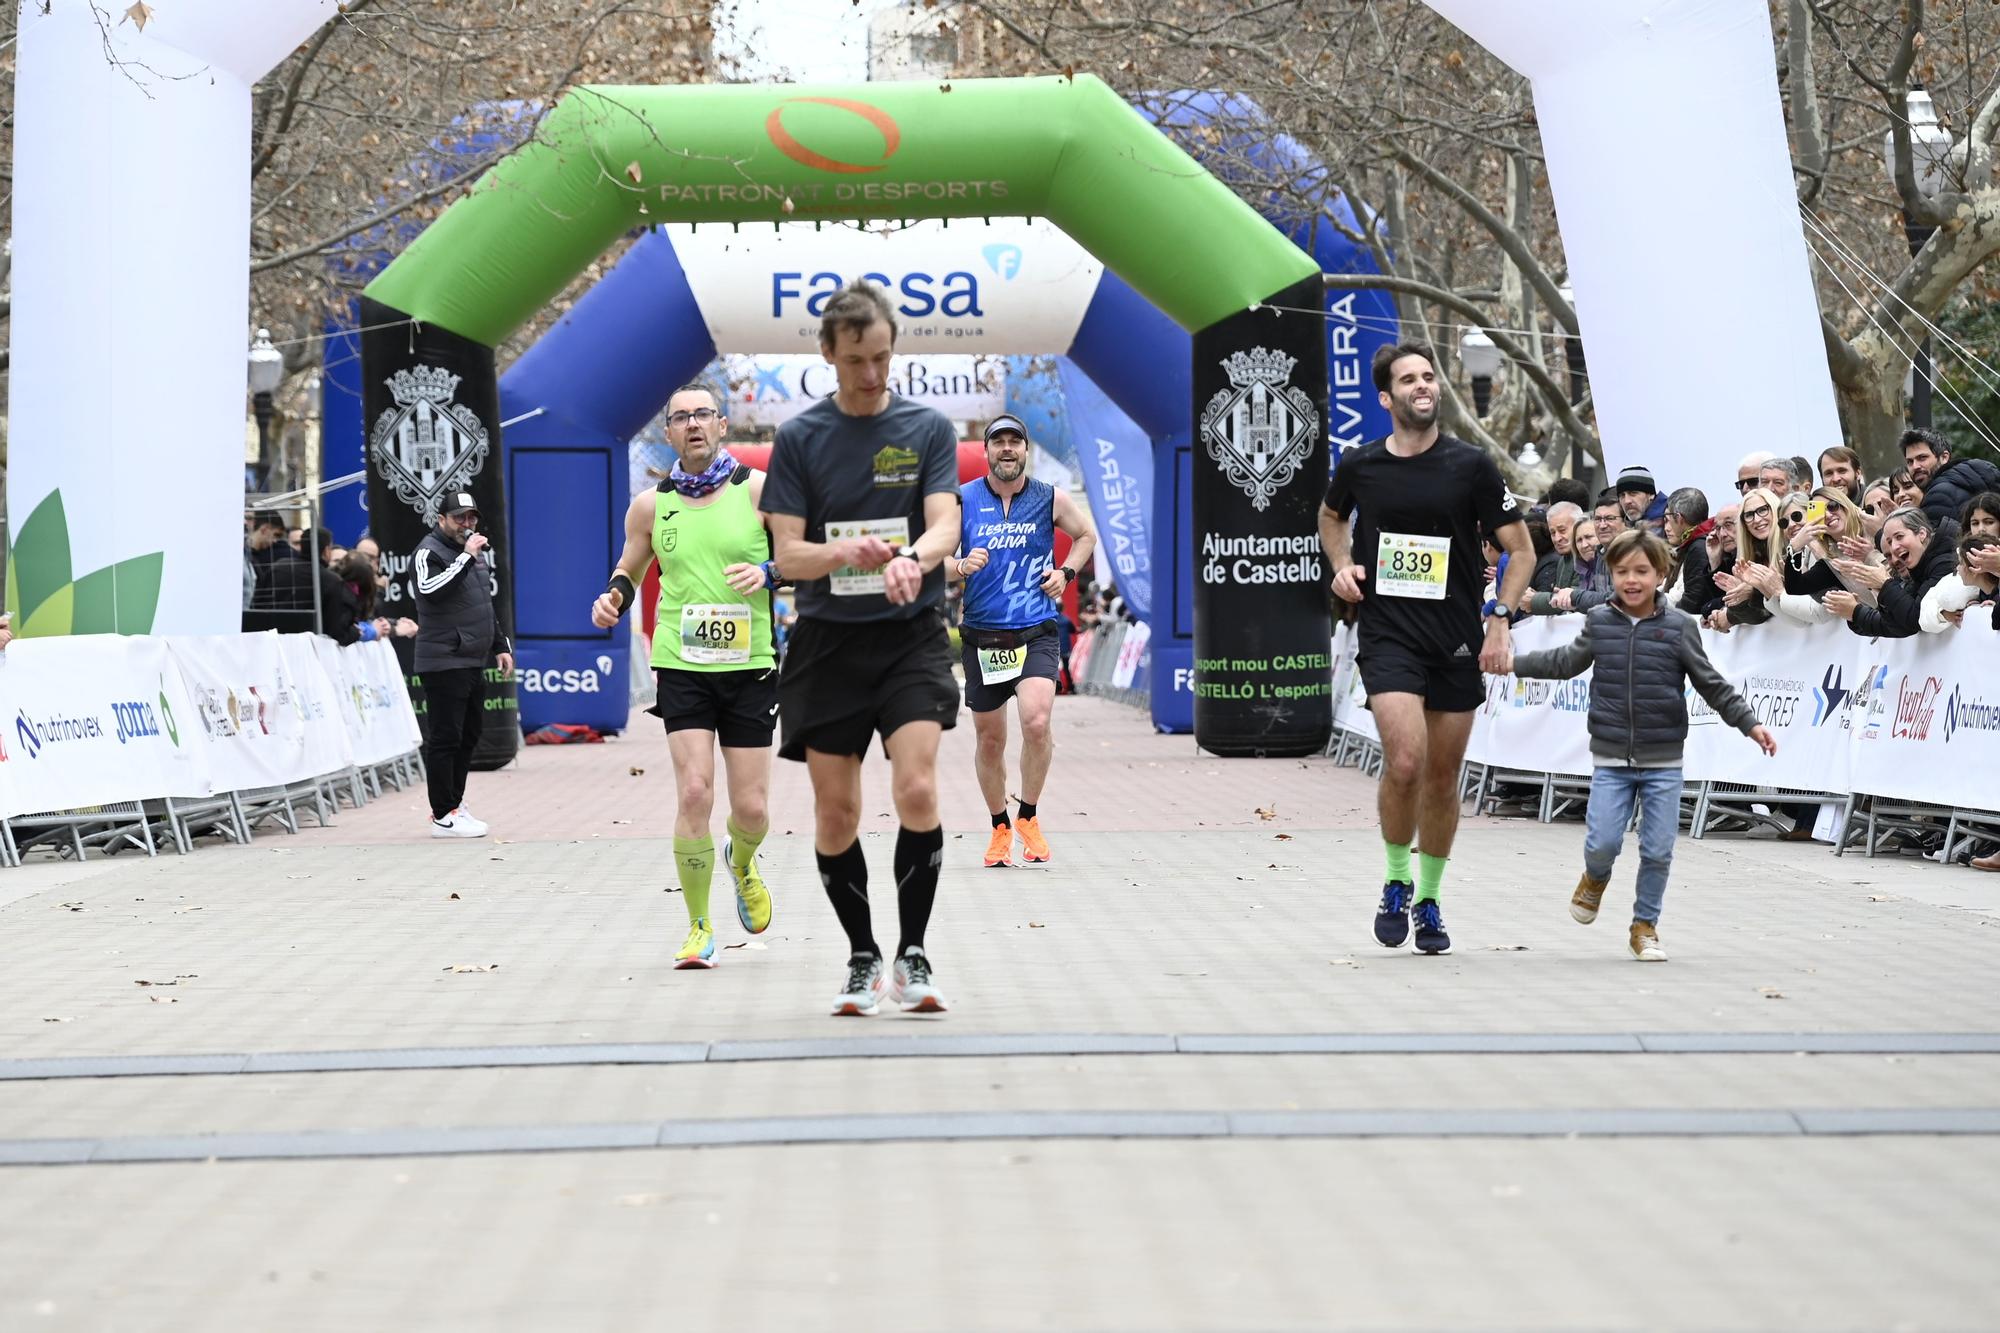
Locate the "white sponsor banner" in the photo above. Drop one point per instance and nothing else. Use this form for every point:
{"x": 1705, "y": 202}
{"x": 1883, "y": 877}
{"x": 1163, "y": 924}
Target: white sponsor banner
{"x": 1008, "y": 287}
{"x": 770, "y": 390}
{"x": 1129, "y": 652}
{"x": 1536, "y": 725}
{"x": 93, "y": 719}
{"x": 1350, "y": 701}
{"x": 329, "y": 746}
{"x": 1793, "y": 678}
{"x": 245, "y": 709}
{"x": 1926, "y": 716}
{"x": 374, "y": 701}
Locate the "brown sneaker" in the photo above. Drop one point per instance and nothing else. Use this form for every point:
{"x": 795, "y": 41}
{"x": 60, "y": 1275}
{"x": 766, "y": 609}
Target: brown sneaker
{"x": 1589, "y": 893}
{"x": 1646, "y": 943}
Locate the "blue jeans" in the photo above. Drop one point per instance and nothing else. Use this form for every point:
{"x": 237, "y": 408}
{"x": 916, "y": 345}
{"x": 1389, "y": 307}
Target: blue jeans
{"x": 1613, "y": 792}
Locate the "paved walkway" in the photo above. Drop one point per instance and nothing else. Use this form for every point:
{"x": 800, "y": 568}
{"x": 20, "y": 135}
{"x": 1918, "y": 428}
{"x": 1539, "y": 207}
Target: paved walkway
{"x": 358, "y": 1078}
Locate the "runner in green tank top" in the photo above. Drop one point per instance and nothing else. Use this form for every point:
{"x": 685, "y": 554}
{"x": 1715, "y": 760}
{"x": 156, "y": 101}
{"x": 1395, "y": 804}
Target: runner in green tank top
{"x": 712, "y": 653}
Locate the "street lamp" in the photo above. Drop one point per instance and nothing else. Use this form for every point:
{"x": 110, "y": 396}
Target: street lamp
{"x": 267, "y": 369}
{"x": 1930, "y": 156}
{"x": 1482, "y": 362}
{"x": 1579, "y": 373}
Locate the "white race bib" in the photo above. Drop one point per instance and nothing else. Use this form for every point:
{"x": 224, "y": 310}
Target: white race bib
{"x": 1407, "y": 566}
{"x": 848, "y": 581}
{"x": 715, "y": 634}
{"x": 1000, "y": 665}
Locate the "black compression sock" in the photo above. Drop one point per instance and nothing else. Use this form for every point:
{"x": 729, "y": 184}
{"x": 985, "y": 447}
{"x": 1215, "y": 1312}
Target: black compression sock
{"x": 1027, "y": 809}
{"x": 845, "y": 875}
{"x": 918, "y": 856}
{"x": 1001, "y": 821}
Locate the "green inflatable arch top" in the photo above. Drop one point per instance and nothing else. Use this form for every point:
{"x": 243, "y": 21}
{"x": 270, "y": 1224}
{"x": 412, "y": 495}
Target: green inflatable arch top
{"x": 606, "y": 159}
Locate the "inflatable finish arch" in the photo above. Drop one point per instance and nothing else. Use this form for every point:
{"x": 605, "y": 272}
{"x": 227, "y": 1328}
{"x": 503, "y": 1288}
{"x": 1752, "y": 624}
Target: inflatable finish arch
{"x": 609, "y": 158}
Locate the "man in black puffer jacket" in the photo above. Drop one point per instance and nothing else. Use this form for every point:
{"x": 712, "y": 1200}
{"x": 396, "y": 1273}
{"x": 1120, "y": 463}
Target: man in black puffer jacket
{"x": 1913, "y": 546}
{"x": 1947, "y": 483}
{"x": 1644, "y": 652}
{"x": 457, "y": 633}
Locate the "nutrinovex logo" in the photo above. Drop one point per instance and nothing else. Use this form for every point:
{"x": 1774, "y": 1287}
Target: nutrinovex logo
{"x": 892, "y": 135}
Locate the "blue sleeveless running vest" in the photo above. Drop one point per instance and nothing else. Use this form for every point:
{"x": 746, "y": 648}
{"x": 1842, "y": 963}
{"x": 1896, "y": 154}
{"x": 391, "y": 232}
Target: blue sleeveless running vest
{"x": 1020, "y": 546}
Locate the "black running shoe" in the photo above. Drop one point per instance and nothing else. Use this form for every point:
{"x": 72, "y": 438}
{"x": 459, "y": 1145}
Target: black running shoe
{"x": 1431, "y": 937}
{"x": 1392, "y": 918}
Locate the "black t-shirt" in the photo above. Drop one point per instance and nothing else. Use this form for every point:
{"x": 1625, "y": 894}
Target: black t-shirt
{"x": 828, "y": 467}
{"x": 1433, "y": 505}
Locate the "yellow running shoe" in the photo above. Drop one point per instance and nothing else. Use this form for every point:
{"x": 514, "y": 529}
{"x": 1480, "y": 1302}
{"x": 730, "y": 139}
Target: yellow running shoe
{"x": 753, "y": 899}
{"x": 1034, "y": 847}
{"x": 1000, "y": 847}
{"x": 699, "y": 950}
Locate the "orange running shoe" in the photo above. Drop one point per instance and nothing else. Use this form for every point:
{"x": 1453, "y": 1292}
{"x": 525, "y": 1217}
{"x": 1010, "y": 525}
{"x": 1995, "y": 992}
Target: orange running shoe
{"x": 1000, "y": 848}
{"x": 1034, "y": 847}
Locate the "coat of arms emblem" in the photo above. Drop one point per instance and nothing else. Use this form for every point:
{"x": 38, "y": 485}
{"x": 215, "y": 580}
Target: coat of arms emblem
{"x": 1260, "y": 428}
{"x": 428, "y": 443}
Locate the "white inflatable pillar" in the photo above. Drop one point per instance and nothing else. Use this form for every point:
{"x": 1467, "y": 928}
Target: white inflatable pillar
{"x": 1673, "y": 189}
{"x": 131, "y": 287}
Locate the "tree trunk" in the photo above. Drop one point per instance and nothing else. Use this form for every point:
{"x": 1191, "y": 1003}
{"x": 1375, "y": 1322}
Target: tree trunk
{"x": 1872, "y": 415}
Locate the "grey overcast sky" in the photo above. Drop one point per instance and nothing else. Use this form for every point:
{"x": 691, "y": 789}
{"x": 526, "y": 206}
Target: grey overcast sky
{"x": 803, "y": 41}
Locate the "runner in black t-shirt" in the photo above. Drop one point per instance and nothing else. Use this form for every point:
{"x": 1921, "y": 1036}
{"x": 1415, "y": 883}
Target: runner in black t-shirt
{"x": 862, "y": 499}
{"x": 1401, "y": 526}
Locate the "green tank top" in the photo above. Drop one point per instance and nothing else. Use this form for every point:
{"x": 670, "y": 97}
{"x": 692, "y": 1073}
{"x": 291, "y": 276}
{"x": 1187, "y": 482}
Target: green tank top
{"x": 704, "y": 624}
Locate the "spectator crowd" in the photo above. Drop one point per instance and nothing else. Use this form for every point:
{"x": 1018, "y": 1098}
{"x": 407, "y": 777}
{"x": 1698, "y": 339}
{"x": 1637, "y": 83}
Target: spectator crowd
{"x": 279, "y": 578}
{"x": 1893, "y": 557}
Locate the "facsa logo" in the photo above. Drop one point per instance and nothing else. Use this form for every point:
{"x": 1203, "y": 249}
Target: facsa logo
{"x": 958, "y": 299}
{"x": 554, "y": 681}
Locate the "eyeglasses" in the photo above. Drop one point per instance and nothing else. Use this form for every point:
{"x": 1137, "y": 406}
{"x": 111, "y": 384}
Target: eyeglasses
{"x": 1750, "y": 515}
{"x": 1746, "y": 483}
{"x": 701, "y": 416}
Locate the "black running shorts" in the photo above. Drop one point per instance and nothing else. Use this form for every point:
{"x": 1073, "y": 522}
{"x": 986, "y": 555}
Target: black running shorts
{"x": 1446, "y": 684}
{"x": 844, "y": 683}
{"x": 740, "y": 707}
{"x": 1044, "y": 663}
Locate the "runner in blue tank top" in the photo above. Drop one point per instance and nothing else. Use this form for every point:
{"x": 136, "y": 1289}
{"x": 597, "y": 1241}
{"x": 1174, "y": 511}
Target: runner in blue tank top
{"x": 1013, "y": 591}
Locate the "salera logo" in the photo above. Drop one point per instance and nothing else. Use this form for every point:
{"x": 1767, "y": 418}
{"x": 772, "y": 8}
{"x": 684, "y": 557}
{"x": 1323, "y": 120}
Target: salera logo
{"x": 892, "y": 135}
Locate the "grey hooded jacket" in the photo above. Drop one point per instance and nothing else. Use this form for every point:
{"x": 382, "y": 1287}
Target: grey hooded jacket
{"x": 1638, "y": 701}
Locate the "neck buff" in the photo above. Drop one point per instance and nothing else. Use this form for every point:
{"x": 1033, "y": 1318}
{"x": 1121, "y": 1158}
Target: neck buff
{"x": 710, "y": 478}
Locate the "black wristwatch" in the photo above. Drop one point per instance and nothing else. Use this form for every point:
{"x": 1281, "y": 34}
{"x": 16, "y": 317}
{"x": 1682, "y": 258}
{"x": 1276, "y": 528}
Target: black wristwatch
{"x": 1069, "y": 575}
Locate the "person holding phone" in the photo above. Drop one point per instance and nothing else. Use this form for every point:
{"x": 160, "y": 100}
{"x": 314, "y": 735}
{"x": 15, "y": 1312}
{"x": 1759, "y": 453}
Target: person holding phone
{"x": 457, "y": 635}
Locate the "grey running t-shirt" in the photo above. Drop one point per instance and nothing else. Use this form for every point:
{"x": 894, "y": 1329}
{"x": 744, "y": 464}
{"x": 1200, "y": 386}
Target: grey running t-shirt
{"x": 858, "y": 475}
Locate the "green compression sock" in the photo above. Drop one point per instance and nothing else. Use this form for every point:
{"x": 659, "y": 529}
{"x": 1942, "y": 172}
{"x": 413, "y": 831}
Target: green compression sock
{"x": 1430, "y": 876}
{"x": 743, "y": 846}
{"x": 1399, "y": 862}
{"x": 694, "y": 858}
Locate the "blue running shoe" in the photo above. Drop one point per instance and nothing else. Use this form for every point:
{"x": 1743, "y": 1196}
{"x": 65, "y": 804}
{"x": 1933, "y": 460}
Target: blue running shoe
{"x": 1392, "y": 918}
{"x": 1430, "y": 927}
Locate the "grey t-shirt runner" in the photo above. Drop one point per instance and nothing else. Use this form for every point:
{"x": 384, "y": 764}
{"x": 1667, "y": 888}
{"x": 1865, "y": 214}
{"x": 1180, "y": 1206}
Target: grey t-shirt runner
{"x": 857, "y": 476}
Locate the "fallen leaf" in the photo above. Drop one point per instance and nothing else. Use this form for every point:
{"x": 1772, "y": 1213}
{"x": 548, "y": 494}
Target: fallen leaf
{"x": 1770, "y": 992}
{"x": 1343, "y": 962}
{"x": 1507, "y": 948}
{"x": 78, "y": 907}
{"x": 1036, "y": 925}
{"x": 140, "y": 13}
{"x": 632, "y": 172}
{"x": 621, "y": 821}
{"x": 1267, "y": 815}
{"x": 175, "y": 982}
{"x": 638, "y": 772}
{"x": 164, "y": 999}
{"x": 473, "y": 967}
{"x": 1282, "y": 837}
{"x": 454, "y": 896}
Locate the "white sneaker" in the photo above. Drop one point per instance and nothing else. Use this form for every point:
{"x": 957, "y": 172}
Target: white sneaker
{"x": 465, "y": 816}
{"x": 912, "y": 987}
{"x": 457, "y": 826}
{"x": 862, "y": 994}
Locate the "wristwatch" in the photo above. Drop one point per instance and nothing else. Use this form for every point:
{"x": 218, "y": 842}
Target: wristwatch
{"x": 1493, "y": 608}
{"x": 1069, "y": 575}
